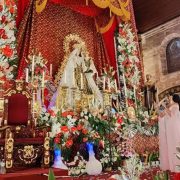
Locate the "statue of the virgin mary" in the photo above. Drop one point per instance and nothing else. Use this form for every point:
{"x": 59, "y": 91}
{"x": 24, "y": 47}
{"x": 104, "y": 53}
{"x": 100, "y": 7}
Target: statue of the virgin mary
{"x": 78, "y": 72}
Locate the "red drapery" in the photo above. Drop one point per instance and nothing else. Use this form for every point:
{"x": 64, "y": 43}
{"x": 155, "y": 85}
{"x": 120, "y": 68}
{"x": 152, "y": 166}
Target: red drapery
{"x": 21, "y": 7}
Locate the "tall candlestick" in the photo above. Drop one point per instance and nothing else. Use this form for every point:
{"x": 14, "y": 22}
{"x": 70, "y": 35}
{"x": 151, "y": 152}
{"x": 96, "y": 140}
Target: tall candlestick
{"x": 115, "y": 84}
{"x": 104, "y": 83}
{"x": 27, "y": 75}
{"x": 43, "y": 75}
{"x": 134, "y": 88}
{"x": 51, "y": 70}
{"x": 109, "y": 84}
{"x": 65, "y": 77}
{"x": 82, "y": 85}
{"x": 73, "y": 79}
{"x": 33, "y": 66}
{"x": 125, "y": 90}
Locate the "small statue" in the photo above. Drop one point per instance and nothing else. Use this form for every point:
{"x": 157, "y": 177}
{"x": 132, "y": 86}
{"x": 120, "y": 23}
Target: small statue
{"x": 149, "y": 93}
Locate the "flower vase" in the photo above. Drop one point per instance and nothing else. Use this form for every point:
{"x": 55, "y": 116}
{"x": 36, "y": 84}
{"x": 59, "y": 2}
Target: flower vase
{"x": 58, "y": 160}
{"x": 93, "y": 166}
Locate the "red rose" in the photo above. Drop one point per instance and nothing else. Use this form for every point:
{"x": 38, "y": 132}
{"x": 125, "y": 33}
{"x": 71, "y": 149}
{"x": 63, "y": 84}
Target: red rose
{"x": 7, "y": 51}
{"x": 84, "y": 131}
{"x": 69, "y": 143}
{"x": 64, "y": 128}
{"x": 73, "y": 129}
{"x": 79, "y": 127}
{"x": 56, "y": 140}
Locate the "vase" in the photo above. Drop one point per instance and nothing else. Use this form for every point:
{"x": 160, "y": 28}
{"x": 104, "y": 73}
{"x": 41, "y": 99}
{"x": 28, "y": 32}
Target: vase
{"x": 58, "y": 160}
{"x": 93, "y": 166}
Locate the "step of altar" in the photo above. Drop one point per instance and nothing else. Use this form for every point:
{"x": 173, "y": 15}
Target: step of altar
{"x": 33, "y": 174}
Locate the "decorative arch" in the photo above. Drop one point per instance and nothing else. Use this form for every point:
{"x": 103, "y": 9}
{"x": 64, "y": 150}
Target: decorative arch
{"x": 163, "y": 47}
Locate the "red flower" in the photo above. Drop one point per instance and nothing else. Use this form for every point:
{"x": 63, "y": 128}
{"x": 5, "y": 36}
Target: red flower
{"x": 126, "y": 63}
{"x": 2, "y": 32}
{"x": 101, "y": 143}
{"x": 130, "y": 102}
{"x": 119, "y": 120}
{"x": 69, "y": 143}
{"x": 11, "y": 10}
{"x": 66, "y": 113}
{"x": 1, "y": 8}
{"x": 79, "y": 127}
{"x": 64, "y": 128}
{"x": 85, "y": 139}
{"x": 58, "y": 135}
{"x": 56, "y": 140}
{"x": 10, "y": 2}
{"x": 84, "y": 131}
{"x": 51, "y": 112}
{"x": 3, "y": 19}
{"x": 73, "y": 129}
{"x": 7, "y": 51}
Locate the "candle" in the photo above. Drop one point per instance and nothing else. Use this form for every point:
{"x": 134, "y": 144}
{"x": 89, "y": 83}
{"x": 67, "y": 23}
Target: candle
{"x": 27, "y": 75}
{"x": 109, "y": 84}
{"x": 104, "y": 83}
{"x": 134, "y": 88}
{"x": 82, "y": 85}
{"x": 51, "y": 70}
{"x": 33, "y": 66}
{"x": 73, "y": 79}
{"x": 125, "y": 90}
{"x": 43, "y": 74}
{"x": 86, "y": 2}
{"x": 115, "y": 84}
{"x": 65, "y": 77}
{"x": 33, "y": 100}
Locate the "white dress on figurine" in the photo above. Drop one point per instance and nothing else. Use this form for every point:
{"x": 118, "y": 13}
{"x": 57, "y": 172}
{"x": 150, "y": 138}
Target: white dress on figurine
{"x": 76, "y": 58}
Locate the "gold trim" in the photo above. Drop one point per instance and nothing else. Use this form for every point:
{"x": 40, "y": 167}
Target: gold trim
{"x": 107, "y": 27}
{"x": 40, "y": 7}
{"x": 9, "y": 143}
{"x": 46, "y": 149}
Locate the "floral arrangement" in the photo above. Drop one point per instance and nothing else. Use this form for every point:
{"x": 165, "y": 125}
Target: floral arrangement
{"x": 8, "y": 53}
{"x": 133, "y": 168}
{"x": 38, "y": 71}
{"x": 129, "y": 65}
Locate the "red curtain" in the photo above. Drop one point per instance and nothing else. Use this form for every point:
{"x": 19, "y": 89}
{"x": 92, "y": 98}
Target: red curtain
{"x": 21, "y": 7}
{"x": 80, "y": 7}
{"x": 109, "y": 43}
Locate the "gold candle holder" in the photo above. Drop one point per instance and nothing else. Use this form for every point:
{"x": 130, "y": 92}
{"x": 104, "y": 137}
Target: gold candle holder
{"x": 74, "y": 89}
{"x": 64, "y": 94}
{"x": 107, "y": 101}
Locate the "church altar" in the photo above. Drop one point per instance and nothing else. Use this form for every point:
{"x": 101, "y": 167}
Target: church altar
{"x": 73, "y": 77}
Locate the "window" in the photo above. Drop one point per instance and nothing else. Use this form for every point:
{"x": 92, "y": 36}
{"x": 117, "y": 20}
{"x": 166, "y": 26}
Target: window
{"x": 173, "y": 55}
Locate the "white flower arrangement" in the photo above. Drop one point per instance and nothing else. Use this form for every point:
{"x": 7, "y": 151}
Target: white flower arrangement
{"x": 133, "y": 168}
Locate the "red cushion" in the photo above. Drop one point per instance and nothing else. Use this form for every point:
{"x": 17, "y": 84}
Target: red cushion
{"x": 17, "y": 110}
